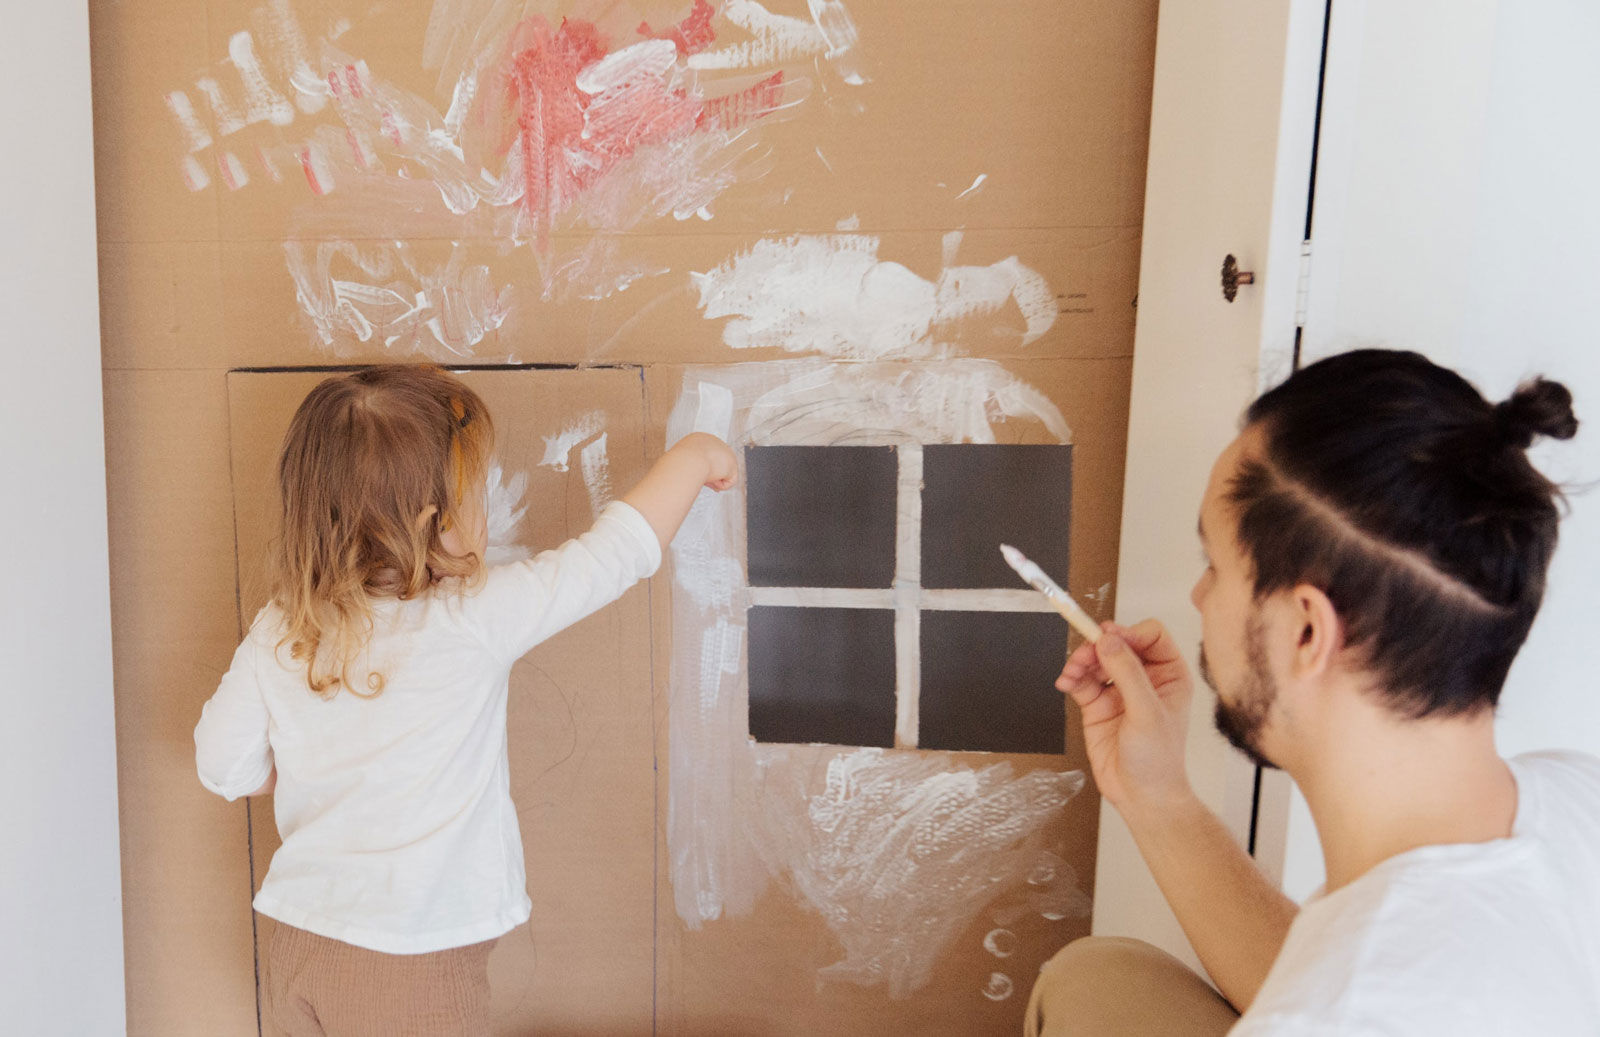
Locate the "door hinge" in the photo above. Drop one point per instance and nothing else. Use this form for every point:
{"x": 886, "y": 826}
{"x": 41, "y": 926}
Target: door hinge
{"x": 1302, "y": 288}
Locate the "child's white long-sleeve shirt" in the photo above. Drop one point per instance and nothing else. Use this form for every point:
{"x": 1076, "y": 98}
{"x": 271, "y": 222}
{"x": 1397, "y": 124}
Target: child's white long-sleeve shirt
{"x": 398, "y": 829}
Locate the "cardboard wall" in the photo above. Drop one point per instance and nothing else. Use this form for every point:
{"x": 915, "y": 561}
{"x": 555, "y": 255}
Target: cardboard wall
{"x": 987, "y": 163}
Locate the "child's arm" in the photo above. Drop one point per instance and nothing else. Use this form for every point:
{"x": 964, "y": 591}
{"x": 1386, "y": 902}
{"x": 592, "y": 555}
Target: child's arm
{"x": 526, "y": 602}
{"x": 231, "y": 749}
{"x": 668, "y": 490}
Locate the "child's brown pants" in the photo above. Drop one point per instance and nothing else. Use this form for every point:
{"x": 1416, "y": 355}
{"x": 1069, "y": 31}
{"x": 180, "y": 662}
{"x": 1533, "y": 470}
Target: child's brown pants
{"x": 317, "y": 987}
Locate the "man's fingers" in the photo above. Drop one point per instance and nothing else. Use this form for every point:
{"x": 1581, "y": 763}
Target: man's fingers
{"x": 1151, "y": 639}
{"x": 1126, "y": 669}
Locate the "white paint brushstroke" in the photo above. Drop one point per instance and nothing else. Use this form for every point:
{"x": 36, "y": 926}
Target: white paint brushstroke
{"x": 285, "y": 39}
{"x": 774, "y": 39}
{"x": 831, "y": 294}
{"x": 195, "y": 177}
{"x": 505, "y": 509}
{"x": 233, "y": 172}
{"x": 999, "y": 987}
{"x": 713, "y": 413}
{"x": 387, "y": 294}
{"x": 838, "y": 29}
{"x": 851, "y": 222}
{"x": 595, "y": 467}
{"x": 898, "y": 852}
{"x": 223, "y": 113}
{"x": 648, "y": 59}
{"x": 558, "y": 448}
{"x": 262, "y": 103}
{"x": 977, "y": 185}
{"x": 906, "y": 848}
{"x": 194, "y": 130}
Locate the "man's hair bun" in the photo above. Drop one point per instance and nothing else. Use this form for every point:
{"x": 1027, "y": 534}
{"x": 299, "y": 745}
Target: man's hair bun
{"x": 1539, "y": 407}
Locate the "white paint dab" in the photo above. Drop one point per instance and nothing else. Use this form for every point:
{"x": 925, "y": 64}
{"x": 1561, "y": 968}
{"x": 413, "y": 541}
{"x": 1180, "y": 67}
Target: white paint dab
{"x": 595, "y": 467}
{"x": 1002, "y": 943}
{"x": 999, "y": 987}
{"x": 774, "y": 39}
{"x": 198, "y": 136}
{"x": 505, "y": 509}
{"x": 558, "y": 448}
{"x": 831, "y": 294}
{"x": 262, "y": 103}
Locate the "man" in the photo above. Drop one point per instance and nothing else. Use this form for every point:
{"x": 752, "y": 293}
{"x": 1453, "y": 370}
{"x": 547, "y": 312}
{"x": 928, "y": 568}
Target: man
{"x": 1376, "y": 544}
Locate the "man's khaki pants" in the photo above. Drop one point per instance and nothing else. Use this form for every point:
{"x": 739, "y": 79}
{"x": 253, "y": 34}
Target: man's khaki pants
{"x": 1104, "y": 986}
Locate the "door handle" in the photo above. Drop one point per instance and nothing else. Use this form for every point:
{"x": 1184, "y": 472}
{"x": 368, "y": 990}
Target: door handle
{"x": 1233, "y": 277}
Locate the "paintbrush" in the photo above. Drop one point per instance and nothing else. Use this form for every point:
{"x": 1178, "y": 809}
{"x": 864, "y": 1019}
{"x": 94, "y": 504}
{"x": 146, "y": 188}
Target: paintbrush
{"x": 1035, "y": 577}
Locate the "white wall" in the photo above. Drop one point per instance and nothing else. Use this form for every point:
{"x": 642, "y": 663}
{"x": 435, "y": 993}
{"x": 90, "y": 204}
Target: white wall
{"x": 60, "y": 886}
{"x": 1232, "y": 113}
{"x": 1458, "y": 214}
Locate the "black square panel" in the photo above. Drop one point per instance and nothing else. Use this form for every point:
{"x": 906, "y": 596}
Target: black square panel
{"x": 821, "y": 516}
{"x": 822, "y": 675}
{"x": 976, "y": 497}
{"x": 988, "y": 682}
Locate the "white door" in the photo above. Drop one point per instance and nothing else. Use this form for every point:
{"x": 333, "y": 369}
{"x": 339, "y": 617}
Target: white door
{"x": 1455, "y": 214}
{"x": 1231, "y": 134}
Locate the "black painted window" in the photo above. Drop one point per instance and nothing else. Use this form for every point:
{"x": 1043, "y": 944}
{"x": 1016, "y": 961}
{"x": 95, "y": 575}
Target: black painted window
{"x": 882, "y": 613}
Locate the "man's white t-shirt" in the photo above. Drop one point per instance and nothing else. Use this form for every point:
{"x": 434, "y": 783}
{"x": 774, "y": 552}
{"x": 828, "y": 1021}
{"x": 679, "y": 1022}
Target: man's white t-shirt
{"x": 1498, "y": 938}
{"x": 399, "y": 833}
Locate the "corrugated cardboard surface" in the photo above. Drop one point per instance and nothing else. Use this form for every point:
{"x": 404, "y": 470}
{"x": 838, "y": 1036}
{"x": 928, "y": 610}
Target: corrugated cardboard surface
{"x": 1047, "y": 101}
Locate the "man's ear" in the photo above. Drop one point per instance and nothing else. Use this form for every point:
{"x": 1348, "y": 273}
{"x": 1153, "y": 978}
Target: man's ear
{"x": 1321, "y": 635}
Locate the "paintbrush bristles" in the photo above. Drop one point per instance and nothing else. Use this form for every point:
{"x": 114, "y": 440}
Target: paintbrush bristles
{"x": 1036, "y": 578}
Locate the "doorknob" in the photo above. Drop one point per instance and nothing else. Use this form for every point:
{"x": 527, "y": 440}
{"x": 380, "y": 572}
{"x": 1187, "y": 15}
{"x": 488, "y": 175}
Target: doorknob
{"x": 1233, "y": 277}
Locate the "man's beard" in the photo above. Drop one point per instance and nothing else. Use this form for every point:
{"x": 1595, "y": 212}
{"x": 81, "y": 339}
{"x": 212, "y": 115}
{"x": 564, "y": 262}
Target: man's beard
{"x": 1241, "y": 722}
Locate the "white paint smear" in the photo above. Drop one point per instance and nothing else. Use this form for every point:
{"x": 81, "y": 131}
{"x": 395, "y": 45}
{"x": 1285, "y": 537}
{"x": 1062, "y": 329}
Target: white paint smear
{"x": 223, "y": 111}
{"x": 650, "y": 59}
{"x": 384, "y": 293}
{"x": 831, "y": 294}
{"x": 505, "y": 508}
{"x": 713, "y": 412}
{"x": 287, "y": 42}
{"x": 233, "y": 173}
{"x": 774, "y": 39}
{"x": 194, "y": 131}
{"x": 595, "y": 467}
{"x": 839, "y": 30}
{"x": 558, "y": 448}
{"x": 999, "y": 987}
{"x": 262, "y": 103}
{"x": 977, "y": 185}
{"x": 195, "y": 177}
{"x": 899, "y": 852}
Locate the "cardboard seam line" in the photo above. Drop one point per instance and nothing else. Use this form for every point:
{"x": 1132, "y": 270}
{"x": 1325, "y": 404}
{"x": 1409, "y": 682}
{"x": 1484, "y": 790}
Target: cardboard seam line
{"x": 238, "y": 620}
{"x": 344, "y": 368}
{"x": 657, "y": 831}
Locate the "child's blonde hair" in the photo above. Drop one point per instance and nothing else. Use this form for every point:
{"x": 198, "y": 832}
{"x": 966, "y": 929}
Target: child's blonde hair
{"x": 374, "y": 469}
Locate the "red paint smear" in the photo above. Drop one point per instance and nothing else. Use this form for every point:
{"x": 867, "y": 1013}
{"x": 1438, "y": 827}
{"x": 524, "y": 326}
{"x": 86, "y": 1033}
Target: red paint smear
{"x": 568, "y": 141}
{"x": 227, "y": 173}
{"x": 735, "y": 109}
{"x": 311, "y": 176}
{"x": 333, "y": 83}
{"x": 355, "y": 148}
{"x": 391, "y": 129}
{"x": 267, "y": 164}
{"x": 550, "y": 111}
{"x": 354, "y": 79}
{"x": 691, "y": 35}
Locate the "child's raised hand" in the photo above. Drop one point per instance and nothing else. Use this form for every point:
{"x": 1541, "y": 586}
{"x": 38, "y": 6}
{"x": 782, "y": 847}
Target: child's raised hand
{"x": 666, "y": 493}
{"x": 722, "y": 464}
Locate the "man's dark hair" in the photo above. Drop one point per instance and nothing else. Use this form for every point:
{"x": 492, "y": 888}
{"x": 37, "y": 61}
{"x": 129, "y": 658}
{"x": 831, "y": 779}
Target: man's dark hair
{"x": 1392, "y": 485}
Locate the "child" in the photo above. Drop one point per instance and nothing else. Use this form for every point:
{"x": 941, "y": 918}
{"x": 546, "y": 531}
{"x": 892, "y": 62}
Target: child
{"x": 372, "y": 692}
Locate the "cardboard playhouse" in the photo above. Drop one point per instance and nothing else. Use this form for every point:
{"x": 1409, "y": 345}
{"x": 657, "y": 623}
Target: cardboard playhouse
{"x": 813, "y": 777}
